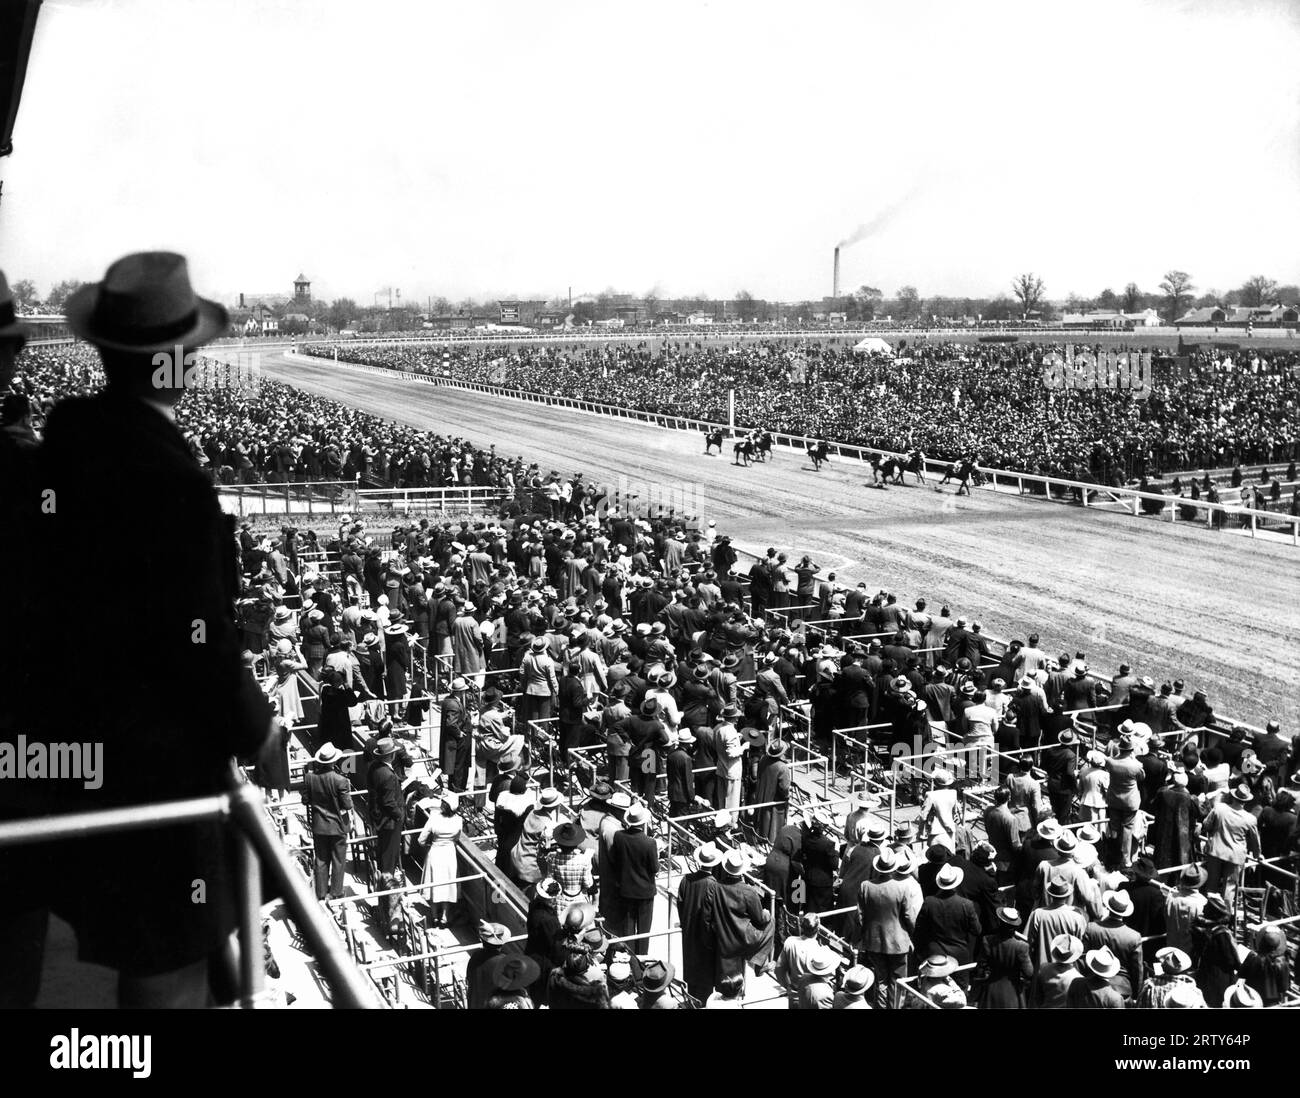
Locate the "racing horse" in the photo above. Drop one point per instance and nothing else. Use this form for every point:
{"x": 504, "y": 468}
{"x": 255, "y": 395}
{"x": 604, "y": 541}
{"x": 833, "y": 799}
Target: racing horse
{"x": 892, "y": 470}
{"x": 711, "y": 439}
{"x": 817, "y": 454}
{"x": 743, "y": 449}
{"x": 762, "y": 445}
{"x": 916, "y": 465}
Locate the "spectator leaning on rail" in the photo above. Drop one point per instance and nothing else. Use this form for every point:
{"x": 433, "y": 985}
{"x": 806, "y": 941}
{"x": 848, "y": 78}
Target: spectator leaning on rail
{"x": 169, "y": 723}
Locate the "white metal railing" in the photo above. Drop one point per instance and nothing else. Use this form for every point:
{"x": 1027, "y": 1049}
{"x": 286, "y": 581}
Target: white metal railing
{"x": 455, "y": 498}
{"x": 998, "y": 478}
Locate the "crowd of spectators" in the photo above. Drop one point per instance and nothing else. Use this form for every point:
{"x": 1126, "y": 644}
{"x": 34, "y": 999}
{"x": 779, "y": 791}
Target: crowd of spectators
{"x": 668, "y": 677}
{"x": 1206, "y": 409}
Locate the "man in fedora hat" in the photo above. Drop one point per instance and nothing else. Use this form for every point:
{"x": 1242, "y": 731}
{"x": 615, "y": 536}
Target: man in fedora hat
{"x": 1124, "y": 797}
{"x": 1046, "y": 924}
{"x": 948, "y": 922}
{"x": 1053, "y": 978}
{"x": 817, "y": 988}
{"x": 887, "y": 911}
{"x": 328, "y": 796}
{"x": 1096, "y": 991}
{"x": 792, "y": 966}
{"x": 742, "y": 925}
{"x": 634, "y": 865}
{"x": 774, "y": 779}
{"x": 1124, "y": 943}
{"x": 1183, "y": 908}
{"x": 1230, "y": 834}
{"x": 387, "y": 810}
{"x": 656, "y": 986}
{"x": 111, "y": 459}
{"x": 456, "y": 733}
{"x": 730, "y": 748}
{"x": 695, "y": 899}
{"x": 679, "y": 767}
{"x": 1061, "y": 762}
{"x": 854, "y": 985}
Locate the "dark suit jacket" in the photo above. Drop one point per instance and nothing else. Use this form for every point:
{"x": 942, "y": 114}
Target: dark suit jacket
{"x": 384, "y": 799}
{"x": 171, "y": 707}
{"x": 634, "y": 861}
{"x": 949, "y": 924}
{"x": 681, "y": 778}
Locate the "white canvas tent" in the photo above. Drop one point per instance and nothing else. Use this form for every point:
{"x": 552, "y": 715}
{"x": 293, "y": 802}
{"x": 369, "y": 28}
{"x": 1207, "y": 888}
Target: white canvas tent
{"x": 874, "y": 345}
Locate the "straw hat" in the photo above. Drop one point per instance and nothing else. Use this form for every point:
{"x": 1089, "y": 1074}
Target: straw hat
{"x": 1118, "y": 904}
{"x": 822, "y": 963}
{"x": 1241, "y": 994}
{"x": 938, "y": 966}
{"x": 1102, "y": 962}
{"x": 1173, "y": 961}
{"x": 1066, "y": 949}
{"x": 949, "y": 877}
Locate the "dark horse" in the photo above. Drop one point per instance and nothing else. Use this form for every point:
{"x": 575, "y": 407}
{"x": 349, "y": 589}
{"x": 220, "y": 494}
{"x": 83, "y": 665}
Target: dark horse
{"x": 762, "y": 445}
{"x": 817, "y": 454}
{"x": 713, "y": 438}
{"x": 743, "y": 449}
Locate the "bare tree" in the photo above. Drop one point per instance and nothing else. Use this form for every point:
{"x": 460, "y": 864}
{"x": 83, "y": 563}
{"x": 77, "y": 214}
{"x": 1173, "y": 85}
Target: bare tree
{"x": 1258, "y": 291}
{"x": 1029, "y": 288}
{"x": 1176, "y": 285}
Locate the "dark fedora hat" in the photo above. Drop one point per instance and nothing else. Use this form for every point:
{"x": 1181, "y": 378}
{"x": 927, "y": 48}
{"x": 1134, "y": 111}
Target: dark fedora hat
{"x": 145, "y": 303}
{"x": 569, "y": 834}
{"x": 512, "y": 971}
{"x": 10, "y": 326}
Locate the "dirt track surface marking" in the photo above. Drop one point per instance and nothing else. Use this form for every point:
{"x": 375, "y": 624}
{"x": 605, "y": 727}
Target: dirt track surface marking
{"x": 1215, "y": 609}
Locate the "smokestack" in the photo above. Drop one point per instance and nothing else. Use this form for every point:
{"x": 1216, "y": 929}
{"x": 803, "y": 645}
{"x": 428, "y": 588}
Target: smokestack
{"x": 241, "y": 301}
{"x": 835, "y": 281}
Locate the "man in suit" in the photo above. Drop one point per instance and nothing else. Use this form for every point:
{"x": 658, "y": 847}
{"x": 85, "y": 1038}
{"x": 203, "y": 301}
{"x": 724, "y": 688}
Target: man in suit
{"x": 328, "y": 796}
{"x": 948, "y": 923}
{"x": 456, "y": 733}
{"x": 887, "y": 911}
{"x": 1004, "y": 833}
{"x": 1061, "y": 764}
{"x": 680, "y": 765}
{"x": 1113, "y": 931}
{"x": 695, "y": 900}
{"x": 123, "y": 475}
{"x": 634, "y": 863}
{"x": 1160, "y": 710}
{"x": 384, "y": 803}
{"x": 773, "y": 785}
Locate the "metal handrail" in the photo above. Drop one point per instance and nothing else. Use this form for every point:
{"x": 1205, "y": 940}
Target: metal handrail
{"x": 258, "y": 846}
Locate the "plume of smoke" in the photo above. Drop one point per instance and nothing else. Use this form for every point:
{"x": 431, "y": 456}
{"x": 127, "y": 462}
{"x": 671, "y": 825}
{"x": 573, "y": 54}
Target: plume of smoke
{"x": 882, "y": 218}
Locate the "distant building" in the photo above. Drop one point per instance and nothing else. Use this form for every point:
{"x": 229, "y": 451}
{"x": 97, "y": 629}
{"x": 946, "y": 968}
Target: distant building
{"x": 1202, "y": 318}
{"x": 519, "y": 312}
{"x": 301, "y": 288}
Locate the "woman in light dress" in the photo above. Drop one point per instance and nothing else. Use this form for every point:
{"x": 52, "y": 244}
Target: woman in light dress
{"x": 440, "y": 831}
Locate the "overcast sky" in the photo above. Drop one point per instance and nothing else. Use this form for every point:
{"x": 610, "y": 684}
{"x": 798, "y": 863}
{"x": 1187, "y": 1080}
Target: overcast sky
{"x": 493, "y": 148}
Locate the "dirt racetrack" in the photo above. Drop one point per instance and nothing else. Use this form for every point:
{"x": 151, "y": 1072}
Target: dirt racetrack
{"x": 1216, "y": 609}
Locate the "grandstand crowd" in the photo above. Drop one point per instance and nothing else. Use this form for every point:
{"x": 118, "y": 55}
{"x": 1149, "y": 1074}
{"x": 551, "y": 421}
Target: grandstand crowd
{"x": 1018, "y": 830}
{"x": 1208, "y": 409}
